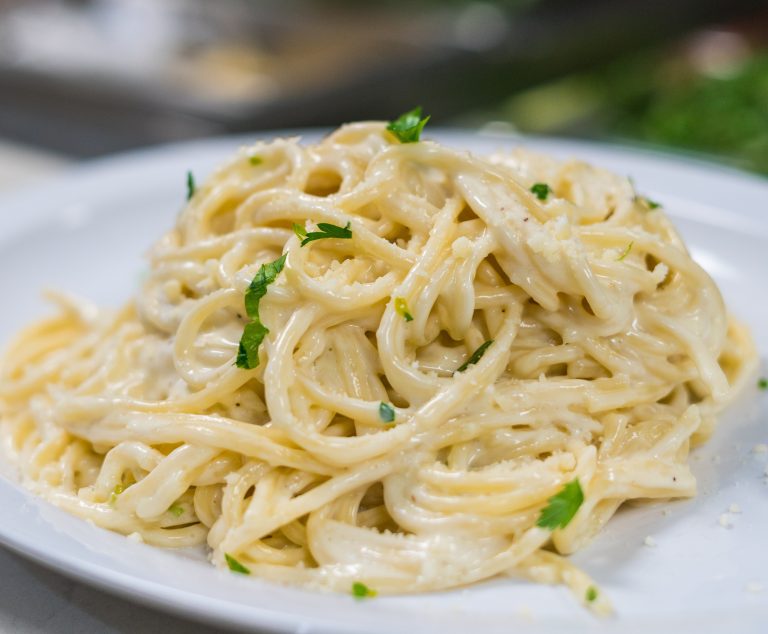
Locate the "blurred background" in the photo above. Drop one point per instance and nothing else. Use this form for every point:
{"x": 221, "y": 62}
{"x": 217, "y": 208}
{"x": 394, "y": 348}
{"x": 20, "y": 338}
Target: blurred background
{"x": 83, "y": 78}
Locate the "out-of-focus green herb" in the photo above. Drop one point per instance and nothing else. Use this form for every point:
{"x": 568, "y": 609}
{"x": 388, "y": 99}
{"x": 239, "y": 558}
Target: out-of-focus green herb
{"x": 625, "y": 252}
{"x": 362, "y": 591}
{"x": 235, "y": 565}
{"x": 541, "y": 190}
{"x": 401, "y": 308}
{"x": 386, "y": 412}
{"x": 408, "y": 126}
{"x": 119, "y": 488}
{"x": 191, "y": 187}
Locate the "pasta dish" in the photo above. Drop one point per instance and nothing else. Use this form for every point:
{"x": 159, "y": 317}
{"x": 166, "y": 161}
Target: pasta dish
{"x": 377, "y": 364}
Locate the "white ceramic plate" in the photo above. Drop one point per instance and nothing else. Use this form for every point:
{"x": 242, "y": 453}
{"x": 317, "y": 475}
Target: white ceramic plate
{"x": 86, "y": 232}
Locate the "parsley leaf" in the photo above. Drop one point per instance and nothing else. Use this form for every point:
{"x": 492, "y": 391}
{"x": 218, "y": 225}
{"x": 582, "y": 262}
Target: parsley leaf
{"x": 255, "y": 160}
{"x": 248, "y": 352}
{"x": 408, "y": 126}
{"x": 235, "y": 565}
{"x": 401, "y": 308}
{"x": 762, "y": 383}
{"x": 254, "y": 331}
{"x": 626, "y": 251}
{"x": 267, "y": 274}
{"x": 476, "y": 356}
{"x": 386, "y": 412}
{"x": 191, "y": 187}
{"x": 562, "y": 506}
{"x": 591, "y": 594}
{"x": 649, "y": 204}
{"x": 300, "y": 231}
{"x": 176, "y": 510}
{"x": 541, "y": 190}
{"x": 326, "y": 231}
{"x": 362, "y": 591}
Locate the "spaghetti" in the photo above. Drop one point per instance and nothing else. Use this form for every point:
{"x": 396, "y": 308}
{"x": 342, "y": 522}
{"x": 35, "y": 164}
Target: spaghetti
{"x": 490, "y": 331}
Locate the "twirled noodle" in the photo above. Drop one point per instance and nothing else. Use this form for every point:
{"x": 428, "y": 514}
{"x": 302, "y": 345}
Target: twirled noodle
{"x": 612, "y": 354}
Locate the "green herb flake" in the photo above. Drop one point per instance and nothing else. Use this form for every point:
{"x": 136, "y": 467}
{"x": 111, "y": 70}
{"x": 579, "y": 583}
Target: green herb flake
{"x": 401, "y": 308}
{"x": 386, "y": 412}
{"x": 299, "y": 230}
{"x": 362, "y": 591}
{"x": 562, "y": 506}
{"x": 407, "y": 127}
{"x": 191, "y": 187}
{"x": 762, "y": 383}
{"x": 626, "y": 251}
{"x": 119, "y": 488}
{"x": 255, "y": 160}
{"x": 235, "y": 565}
{"x": 650, "y": 204}
{"x": 258, "y": 288}
{"x": 541, "y": 190}
{"x": 646, "y": 203}
{"x": 476, "y": 356}
{"x": 254, "y": 331}
{"x": 176, "y": 510}
{"x": 248, "y": 352}
{"x": 591, "y": 594}
{"x": 326, "y": 231}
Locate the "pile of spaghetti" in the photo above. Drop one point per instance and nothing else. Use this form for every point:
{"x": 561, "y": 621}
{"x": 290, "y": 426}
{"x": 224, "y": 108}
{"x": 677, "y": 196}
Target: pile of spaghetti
{"x": 379, "y": 363}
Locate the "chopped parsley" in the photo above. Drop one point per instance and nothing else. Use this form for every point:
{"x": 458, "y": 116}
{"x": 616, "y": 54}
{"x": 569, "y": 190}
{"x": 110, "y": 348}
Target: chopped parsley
{"x": 362, "y": 591}
{"x": 119, "y": 488}
{"x": 258, "y": 288}
{"x": 327, "y": 230}
{"x": 300, "y": 231}
{"x": 625, "y": 252}
{"x": 254, "y": 331}
{"x": 401, "y": 308}
{"x": 476, "y": 356}
{"x": 591, "y": 594}
{"x": 408, "y": 126}
{"x": 541, "y": 190}
{"x": 562, "y": 506}
{"x": 255, "y": 160}
{"x": 386, "y": 412}
{"x": 648, "y": 203}
{"x": 248, "y": 352}
{"x": 762, "y": 383}
{"x": 235, "y": 565}
{"x": 176, "y": 510}
{"x": 191, "y": 187}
